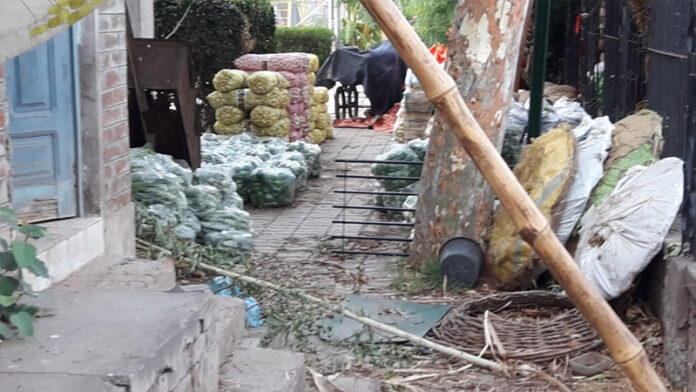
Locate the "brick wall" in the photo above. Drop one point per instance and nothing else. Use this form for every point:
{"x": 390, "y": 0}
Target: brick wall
{"x": 113, "y": 90}
{"x": 4, "y": 157}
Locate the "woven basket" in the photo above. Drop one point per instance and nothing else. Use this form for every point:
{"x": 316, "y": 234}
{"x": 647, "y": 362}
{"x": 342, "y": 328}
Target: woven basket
{"x": 535, "y": 326}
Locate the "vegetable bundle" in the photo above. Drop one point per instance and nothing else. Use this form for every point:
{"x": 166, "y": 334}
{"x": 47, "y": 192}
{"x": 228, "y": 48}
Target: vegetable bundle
{"x": 197, "y": 207}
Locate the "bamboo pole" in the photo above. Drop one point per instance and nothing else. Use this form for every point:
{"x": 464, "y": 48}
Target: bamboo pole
{"x": 482, "y": 362}
{"x": 533, "y": 226}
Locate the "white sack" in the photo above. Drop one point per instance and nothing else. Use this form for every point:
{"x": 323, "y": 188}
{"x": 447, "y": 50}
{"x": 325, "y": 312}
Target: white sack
{"x": 619, "y": 237}
{"x": 594, "y": 141}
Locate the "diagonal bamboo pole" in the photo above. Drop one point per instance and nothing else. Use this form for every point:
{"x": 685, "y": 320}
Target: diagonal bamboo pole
{"x": 534, "y": 228}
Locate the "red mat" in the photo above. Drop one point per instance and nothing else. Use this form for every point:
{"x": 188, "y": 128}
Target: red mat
{"x": 383, "y": 123}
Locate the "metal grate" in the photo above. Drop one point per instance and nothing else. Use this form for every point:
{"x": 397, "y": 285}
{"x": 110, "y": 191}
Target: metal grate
{"x": 344, "y": 222}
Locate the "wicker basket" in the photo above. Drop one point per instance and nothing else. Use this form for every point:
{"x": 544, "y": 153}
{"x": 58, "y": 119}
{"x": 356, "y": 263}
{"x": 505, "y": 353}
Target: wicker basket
{"x": 535, "y": 326}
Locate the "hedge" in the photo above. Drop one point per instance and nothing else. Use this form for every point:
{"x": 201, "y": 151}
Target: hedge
{"x": 219, "y": 31}
{"x": 317, "y": 40}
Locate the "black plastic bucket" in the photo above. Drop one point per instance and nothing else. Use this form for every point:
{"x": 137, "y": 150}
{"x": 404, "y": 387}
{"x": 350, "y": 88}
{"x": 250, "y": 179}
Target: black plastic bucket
{"x": 461, "y": 260}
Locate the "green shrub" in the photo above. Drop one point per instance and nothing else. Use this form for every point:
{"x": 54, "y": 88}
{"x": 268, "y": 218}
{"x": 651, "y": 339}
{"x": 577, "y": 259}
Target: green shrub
{"x": 316, "y": 40}
{"x": 17, "y": 258}
{"x": 218, "y": 30}
{"x": 262, "y": 23}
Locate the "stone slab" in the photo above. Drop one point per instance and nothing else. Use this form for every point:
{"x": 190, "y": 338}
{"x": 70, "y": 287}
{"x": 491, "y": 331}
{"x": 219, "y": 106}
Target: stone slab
{"x": 55, "y": 383}
{"x": 263, "y": 370}
{"x": 132, "y": 338}
{"x": 353, "y": 384}
{"x": 116, "y": 272}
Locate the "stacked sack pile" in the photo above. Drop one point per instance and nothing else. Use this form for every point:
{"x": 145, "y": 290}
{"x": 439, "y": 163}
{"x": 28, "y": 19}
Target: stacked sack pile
{"x": 267, "y": 171}
{"x": 319, "y": 118}
{"x": 259, "y": 108}
{"x": 414, "y": 113}
{"x": 298, "y": 69}
{"x": 201, "y": 206}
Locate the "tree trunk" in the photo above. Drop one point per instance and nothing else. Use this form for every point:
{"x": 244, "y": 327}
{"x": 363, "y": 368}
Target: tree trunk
{"x": 483, "y": 52}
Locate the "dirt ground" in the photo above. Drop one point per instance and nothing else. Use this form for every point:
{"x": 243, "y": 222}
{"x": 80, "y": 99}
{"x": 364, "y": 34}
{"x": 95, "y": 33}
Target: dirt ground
{"x": 293, "y": 248}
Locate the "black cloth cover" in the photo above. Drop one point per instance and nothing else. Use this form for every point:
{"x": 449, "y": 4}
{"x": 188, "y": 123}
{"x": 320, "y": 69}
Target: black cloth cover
{"x": 379, "y": 70}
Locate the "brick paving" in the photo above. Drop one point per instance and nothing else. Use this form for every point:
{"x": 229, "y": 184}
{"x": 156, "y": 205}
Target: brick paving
{"x": 294, "y": 243}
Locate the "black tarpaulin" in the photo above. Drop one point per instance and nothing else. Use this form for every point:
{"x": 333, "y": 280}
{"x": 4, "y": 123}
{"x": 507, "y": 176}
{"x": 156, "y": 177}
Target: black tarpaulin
{"x": 379, "y": 70}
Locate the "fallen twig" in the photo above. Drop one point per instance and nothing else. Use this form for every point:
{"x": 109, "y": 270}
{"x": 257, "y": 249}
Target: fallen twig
{"x": 484, "y": 363}
{"x": 320, "y": 381}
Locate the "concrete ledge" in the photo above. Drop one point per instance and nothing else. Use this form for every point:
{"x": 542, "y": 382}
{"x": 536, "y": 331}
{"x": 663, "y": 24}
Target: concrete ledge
{"x": 135, "y": 340}
{"x": 263, "y": 370}
{"x": 119, "y": 231}
{"x": 71, "y": 244}
{"x": 46, "y": 383}
{"x": 110, "y": 272}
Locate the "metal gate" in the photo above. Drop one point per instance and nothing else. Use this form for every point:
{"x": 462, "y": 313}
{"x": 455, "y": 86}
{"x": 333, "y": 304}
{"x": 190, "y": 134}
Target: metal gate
{"x": 672, "y": 92}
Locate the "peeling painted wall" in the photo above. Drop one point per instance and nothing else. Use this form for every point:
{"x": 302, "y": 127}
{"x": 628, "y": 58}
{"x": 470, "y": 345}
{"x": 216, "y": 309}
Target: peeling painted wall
{"x": 483, "y": 52}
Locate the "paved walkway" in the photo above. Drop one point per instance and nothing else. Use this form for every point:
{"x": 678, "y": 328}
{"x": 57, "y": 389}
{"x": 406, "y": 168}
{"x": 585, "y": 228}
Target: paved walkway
{"x": 294, "y": 242}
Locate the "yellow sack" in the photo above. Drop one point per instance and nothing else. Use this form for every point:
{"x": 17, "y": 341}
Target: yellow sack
{"x": 263, "y": 82}
{"x": 546, "y": 170}
{"x": 233, "y": 129}
{"x": 229, "y": 115}
{"x": 316, "y": 136}
{"x": 229, "y": 79}
{"x": 323, "y": 121}
{"x": 320, "y": 96}
{"x": 329, "y": 133}
{"x": 312, "y": 78}
{"x": 218, "y": 99}
{"x": 277, "y": 98}
{"x": 313, "y": 62}
{"x": 280, "y": 128}
{"x": 265, "y": 116}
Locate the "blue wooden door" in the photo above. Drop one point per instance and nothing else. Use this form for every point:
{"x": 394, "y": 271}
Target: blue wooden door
{"x": 43, "y": 137}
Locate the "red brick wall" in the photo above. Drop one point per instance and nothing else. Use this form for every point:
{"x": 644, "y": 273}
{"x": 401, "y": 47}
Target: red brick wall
{"x": 4, "y": 157}
{"x": 111, "y": 47}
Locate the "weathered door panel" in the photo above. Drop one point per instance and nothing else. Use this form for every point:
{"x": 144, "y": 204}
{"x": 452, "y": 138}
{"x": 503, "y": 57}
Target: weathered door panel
{"x": 40, "y": 88}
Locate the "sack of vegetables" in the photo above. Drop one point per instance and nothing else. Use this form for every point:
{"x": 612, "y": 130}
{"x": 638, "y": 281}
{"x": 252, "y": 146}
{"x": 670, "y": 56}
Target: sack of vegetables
{"x": 265, "y": 116}
{"x": 276, "y": 98}
{"x": 231, "y": 129}
{"x": 280, "y": 128}
{"x": 272, "y": 187}
{"x": 263, "y": 82}
{"x": 398, "y": 152}
{"x": 312, "y": 154}
{"x": 230, "y": 79}
{"x": 228, "y": 115}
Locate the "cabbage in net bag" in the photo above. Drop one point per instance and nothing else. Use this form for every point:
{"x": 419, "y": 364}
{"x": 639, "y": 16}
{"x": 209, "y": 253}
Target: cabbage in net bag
{"x": 398, "y": 152}
{"x": 235, "y": 241}
{"x": 272, "y": 187}
{"x": 263, "y": 82}
{"x": 280, "y": 128}
{"x": 312, "y": 154}
{"x": 231, "y": 129}
{"x": 203, "y": 199}
{"x": 277, "y": 98}
{"x": 229, "y": 79}
{"x": 266, "y": 116}
{"x": 225, "y": 219}
{"x": 299, "y": 169}
{"x": 228, "y": 115}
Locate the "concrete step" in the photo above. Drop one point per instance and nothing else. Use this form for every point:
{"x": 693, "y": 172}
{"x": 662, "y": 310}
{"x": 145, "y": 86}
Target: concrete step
{"x": 70, "y": 245}
{"x": 122, "y": 324}
{"x": 133, "y": 340}
{"x": 262, "y": 370}
{"x": 109, "y": 272}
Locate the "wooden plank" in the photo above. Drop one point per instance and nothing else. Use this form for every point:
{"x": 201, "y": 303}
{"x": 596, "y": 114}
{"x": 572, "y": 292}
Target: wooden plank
{"x": 39, "y": 210}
